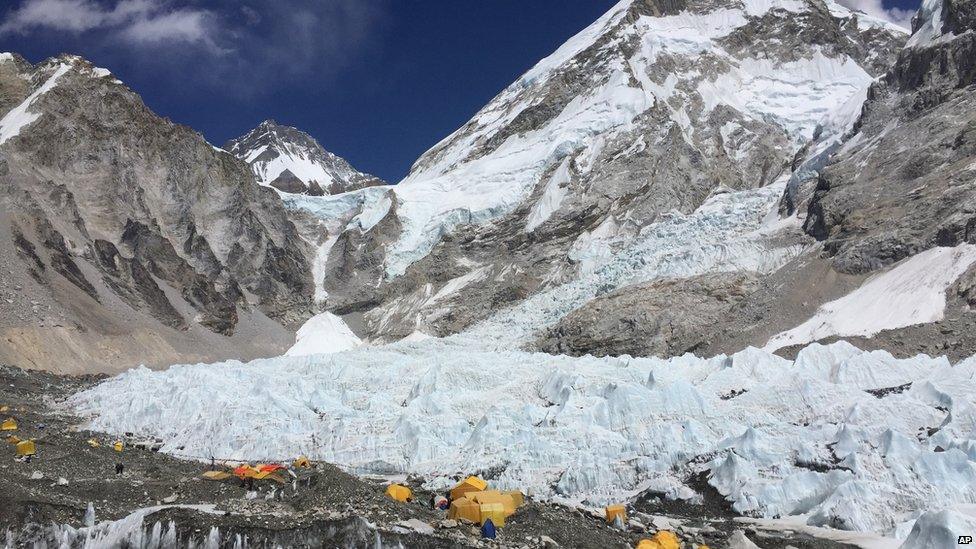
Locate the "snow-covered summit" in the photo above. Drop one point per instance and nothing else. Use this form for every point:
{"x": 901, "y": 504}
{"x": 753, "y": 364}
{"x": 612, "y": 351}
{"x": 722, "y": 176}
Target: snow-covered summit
{"x": 780, "y": 62}
{"x": 647, "y": 112}
{"x": 292, "y": 161}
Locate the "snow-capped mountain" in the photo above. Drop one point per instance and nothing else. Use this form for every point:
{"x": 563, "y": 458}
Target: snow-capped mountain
{"x": 292, "y": 161}
{"x": 641, "y": 117}
{"x": 743, "y": 180}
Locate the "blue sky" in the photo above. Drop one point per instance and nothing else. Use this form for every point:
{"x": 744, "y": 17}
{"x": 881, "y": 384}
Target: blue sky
{"x": 375, "y": 81}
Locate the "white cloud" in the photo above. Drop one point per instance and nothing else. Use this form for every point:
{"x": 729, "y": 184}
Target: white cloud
{"x": 135, "y": 21}
{"x": 875, "y": 8}
{"x": 183, "y": 25}
{"x": 260, "y": 43}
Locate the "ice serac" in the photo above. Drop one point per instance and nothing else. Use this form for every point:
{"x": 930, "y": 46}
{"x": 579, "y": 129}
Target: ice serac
{"x": 643, "y": 115}
{"x": 128, "y": 239}
{"x": 292, "y": 161}
{"x": 839, "y": 437}
{"x": 324, "y": 333}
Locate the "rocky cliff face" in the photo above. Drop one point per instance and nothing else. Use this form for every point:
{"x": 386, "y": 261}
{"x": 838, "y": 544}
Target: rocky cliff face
{"x": 292, "y": 161}
{"x": 903, "y": 180}
{"x": 643, "y": 116}
{"x": 121, "y": 222}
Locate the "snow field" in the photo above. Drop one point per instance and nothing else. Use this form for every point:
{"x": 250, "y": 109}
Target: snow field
{"x": 912, "y": 292}
{"x": 778, "y": 438}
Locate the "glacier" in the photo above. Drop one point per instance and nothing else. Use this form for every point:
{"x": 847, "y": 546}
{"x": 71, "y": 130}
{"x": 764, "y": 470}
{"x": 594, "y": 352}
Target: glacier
{"x": 838, "y": 437}
{"x": 730, "y": 232}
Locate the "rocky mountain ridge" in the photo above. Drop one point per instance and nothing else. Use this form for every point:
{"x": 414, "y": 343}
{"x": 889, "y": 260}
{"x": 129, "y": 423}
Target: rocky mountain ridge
{"x": 137, "y": 240}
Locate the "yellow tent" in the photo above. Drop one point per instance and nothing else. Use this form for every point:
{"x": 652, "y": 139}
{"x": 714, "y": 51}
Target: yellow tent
{"x": 9, "y": 425}
{"x": 302, "y": 461}
{"x": 217, "y": 475}
{"x": 663, "y": 540}
{"x": 26, "y": 448}
{"x": 614, "y": 511}
{"x": 666, "y": 539}
{"x": 13, "y": 439}
{"x": 494, "y": 496}
{"x": 495, "y": 512}
{"x": 399, "y": 492}
{"x": 517, "y": 497}
{"x": 118, "y": 446}
{"x": 93, "y": 443}
{"x": 464, "y": 509}
{"x": 470, "y": 484}
{"x": 4, "y": 408}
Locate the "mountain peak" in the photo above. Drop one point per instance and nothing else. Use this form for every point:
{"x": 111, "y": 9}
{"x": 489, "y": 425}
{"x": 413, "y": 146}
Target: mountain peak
{"x": 293, "y": 161}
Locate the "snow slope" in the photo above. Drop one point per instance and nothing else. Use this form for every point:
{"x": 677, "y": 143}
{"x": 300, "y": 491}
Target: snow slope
{"x": 912, "y": 292}
{"x": 777, "y": 438}
{"x": 21, "y": 115}
{"x": 335, "y": 211}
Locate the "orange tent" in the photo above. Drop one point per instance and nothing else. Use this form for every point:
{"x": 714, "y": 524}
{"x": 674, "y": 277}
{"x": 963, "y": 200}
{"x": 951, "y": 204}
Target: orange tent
{"x": 614, "y": 511}
{"x": 399, "y": 492}
{"x": 245, "y": 471}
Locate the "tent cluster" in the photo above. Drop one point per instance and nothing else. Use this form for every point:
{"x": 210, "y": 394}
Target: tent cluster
{"x": 663, "y": 539}
{"x": 24, "y": 448}
{"x": 472, "y": 501}
{"x": 261, "y": 471}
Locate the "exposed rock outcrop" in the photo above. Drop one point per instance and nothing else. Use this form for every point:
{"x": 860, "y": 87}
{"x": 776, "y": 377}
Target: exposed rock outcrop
{"x": 667, "y": 317}
{"x": 904, "y": 180}
{"x": 623, "y": 126}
